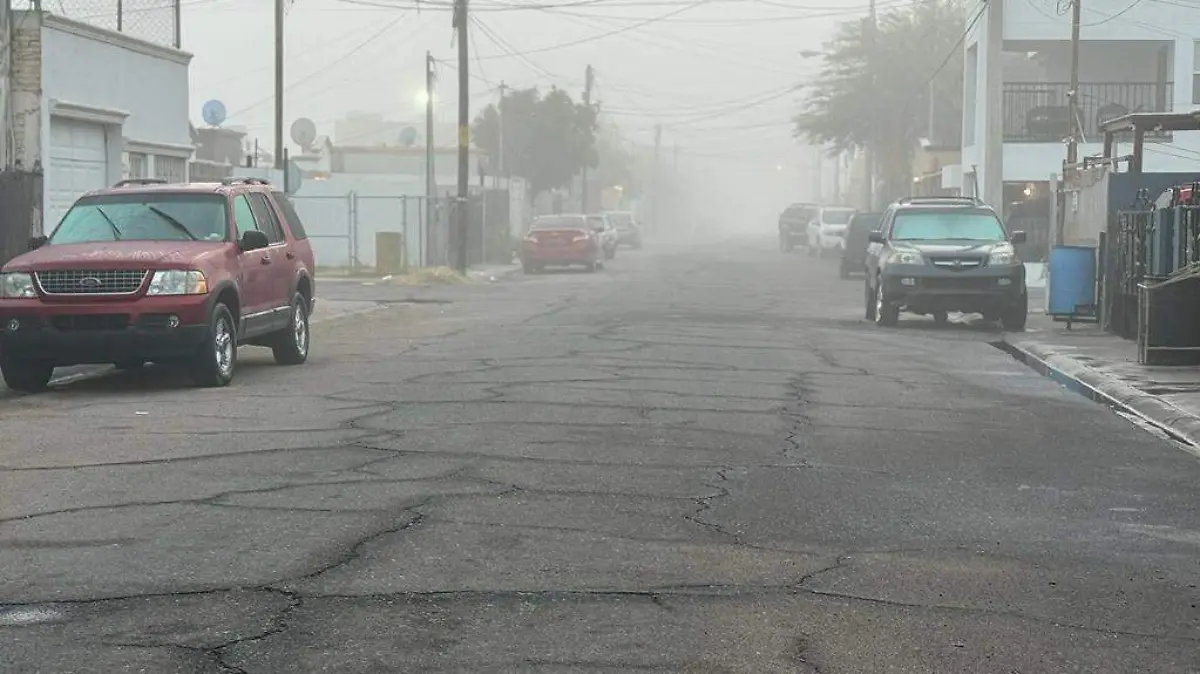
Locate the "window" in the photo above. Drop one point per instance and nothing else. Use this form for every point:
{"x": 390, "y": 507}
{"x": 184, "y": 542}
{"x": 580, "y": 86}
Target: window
{"x": 558, "y": 223}
{"x": 1196, "y": 71}
{"x": 289, "y": 214}
{"x": 243, "y": 215}
{"x": 143, "y": 217}
{"x": 138, "y": 166}
{"x": 268, "y": 222}
{"x": 170, "y": 169}
{"x": 947, "y": 224}
{"x": 836, "y": 216}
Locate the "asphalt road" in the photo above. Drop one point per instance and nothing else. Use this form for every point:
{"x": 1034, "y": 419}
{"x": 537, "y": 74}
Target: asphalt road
{"x": 698, "y": 460}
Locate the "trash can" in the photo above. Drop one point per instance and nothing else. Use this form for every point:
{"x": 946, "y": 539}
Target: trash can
{"x": 389, "y": 253}
{"x": 1071, "y": 281}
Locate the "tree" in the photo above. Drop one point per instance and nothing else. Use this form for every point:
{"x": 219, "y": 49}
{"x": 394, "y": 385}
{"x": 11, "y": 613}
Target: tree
{"x": 615, "y": 165}
{"x": 881, "y": 97}
{"x": 546, "y": 139}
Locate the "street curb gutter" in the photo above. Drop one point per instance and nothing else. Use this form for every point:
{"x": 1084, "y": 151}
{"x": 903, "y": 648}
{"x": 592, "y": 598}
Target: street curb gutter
{"x": 1097, "y": 386}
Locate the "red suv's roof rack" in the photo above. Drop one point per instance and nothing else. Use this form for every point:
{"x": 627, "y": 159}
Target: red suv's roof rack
{"x": 244, "y": 181}
{"x": 141, "y": 181}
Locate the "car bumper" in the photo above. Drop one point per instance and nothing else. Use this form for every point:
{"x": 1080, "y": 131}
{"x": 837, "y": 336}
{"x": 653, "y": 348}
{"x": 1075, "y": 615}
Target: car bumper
{"x": 832, "y": 242}
{"x": 920, "y": 288}
{"x": 557, "y": 257}
{"x": 103, "y": 332}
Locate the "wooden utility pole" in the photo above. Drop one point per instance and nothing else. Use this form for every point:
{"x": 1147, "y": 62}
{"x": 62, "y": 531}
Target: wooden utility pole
{"x": 430, "y": 175}
{"x": 464, "y": 135}
{"x": 657, "y": 210}
{"x": 588, "y": 78}
{"x": 868, "y": 147}
{"x": 1073, "y": 92}
{"x": 279, "y": 85}
{"x": 500, "y": 170}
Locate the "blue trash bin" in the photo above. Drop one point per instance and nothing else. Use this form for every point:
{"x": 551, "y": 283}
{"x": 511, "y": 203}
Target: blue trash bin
{"x": 1071, "y": 280}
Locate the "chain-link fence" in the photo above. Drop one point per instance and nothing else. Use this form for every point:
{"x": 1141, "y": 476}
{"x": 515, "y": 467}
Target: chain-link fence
{"x": 155, "y": 21}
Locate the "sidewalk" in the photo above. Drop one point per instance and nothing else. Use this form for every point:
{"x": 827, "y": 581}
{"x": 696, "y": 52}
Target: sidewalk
{"x": 488, "y": 273}
{"x": 1104, "y": 368}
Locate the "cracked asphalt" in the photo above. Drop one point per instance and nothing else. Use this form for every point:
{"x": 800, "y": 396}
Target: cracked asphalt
{"x": 699, "y": 460}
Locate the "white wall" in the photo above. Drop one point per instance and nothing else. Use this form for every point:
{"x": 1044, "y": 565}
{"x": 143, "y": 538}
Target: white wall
{"x": 90, "y": 66}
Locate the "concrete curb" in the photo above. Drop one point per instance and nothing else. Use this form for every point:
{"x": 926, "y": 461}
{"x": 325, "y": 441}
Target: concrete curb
{"x": 1109, "y": 390}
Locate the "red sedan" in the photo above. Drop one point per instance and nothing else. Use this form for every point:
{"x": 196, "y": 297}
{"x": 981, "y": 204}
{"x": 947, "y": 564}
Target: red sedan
{"x": 561, "y": 241}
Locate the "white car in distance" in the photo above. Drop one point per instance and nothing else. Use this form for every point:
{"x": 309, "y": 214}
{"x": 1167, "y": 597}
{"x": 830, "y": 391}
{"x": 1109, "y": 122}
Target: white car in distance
{"x": 827, "y": 232}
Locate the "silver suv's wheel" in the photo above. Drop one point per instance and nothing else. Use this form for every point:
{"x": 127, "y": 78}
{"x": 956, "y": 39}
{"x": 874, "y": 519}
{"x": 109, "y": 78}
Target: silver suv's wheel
{"x": 887, "y": 313}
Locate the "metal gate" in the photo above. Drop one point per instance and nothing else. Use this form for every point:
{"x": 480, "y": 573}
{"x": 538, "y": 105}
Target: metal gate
{"x": 1125, "y": 268}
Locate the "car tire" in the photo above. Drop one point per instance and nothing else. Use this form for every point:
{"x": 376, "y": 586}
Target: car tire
{"x": 887, "y": 314}
{"x": 941, "y": 317}
{"x": 1014, "y": 317}
{"x": 291, "y": 344}
{"x": 785, "y": 242}
{"x": 26, "y": 376}
{"x": 869, "y": 300}
{"x": 843, "y": 270}
{"x": 216, "y": 361}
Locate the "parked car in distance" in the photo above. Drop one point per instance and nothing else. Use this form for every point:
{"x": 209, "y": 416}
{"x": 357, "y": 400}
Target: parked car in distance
{"x": 629, "y": 232}
{"x": 561, "y": 241}
{"x": 147, "y": 271}
{"x": 793, "y": 225}
{"x": 854, "y": 255}
{"x": 826, "y": 232}
{"x": 609, "y": 238}
{"x": 932, "y": 255}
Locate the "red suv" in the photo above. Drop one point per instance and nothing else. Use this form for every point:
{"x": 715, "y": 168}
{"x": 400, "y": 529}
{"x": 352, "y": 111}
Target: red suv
{"x": 153, "y": 272}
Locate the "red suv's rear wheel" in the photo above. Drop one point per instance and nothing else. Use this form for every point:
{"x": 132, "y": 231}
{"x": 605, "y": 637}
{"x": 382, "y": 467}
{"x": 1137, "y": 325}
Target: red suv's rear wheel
{"x": 291, "y": 344}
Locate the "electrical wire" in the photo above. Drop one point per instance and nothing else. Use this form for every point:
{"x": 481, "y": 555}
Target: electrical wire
{"x": 618, "y": 31}
{"x": 332, "y": 64}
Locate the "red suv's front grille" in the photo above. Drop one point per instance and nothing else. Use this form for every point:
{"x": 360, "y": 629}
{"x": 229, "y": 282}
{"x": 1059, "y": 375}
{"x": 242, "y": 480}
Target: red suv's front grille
{"x": 91, "y": 281}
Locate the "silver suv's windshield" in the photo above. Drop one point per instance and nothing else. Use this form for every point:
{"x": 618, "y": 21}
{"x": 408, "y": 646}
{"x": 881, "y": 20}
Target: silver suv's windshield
{"x": 947, "y": 224}
{"x": 143, "y": 217}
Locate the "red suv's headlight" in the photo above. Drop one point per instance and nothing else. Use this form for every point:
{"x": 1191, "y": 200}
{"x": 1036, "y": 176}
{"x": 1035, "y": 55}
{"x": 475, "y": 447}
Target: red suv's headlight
{"x": 15, "y": 285}
{"x": 178, "y": 282}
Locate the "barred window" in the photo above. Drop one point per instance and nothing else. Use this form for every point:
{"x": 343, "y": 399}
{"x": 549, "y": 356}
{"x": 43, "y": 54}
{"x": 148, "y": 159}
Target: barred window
{"x": 138, "y": 166}
{"x": 171, "y": 169}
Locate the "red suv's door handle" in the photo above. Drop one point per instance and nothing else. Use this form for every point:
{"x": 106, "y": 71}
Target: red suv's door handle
{"x": 291, "y": 256}
{"x": 266, "y": 259}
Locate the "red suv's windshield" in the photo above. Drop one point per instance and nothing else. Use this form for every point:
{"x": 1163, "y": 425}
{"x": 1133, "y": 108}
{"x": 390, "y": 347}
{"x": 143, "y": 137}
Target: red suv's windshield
{"x": 144, "y": 217}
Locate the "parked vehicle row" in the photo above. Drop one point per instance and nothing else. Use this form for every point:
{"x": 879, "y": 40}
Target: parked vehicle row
{"x": 820, "y": 229}
{"x": 572, "y": 240}
{"x": 931, "y": 256}
{"x": 147, "y": 271}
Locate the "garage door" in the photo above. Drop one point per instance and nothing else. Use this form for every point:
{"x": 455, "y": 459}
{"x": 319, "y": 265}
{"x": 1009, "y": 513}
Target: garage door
{"x": 78, "y": 163}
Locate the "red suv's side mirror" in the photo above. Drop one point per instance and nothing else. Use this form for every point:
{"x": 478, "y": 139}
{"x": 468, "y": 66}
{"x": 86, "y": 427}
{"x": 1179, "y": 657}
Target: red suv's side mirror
{"x": 253, "y": 240}
{"x": 37, "y": 242}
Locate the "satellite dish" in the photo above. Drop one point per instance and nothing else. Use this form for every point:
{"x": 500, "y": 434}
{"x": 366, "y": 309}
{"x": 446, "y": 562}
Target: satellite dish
{"x": 408, "y": 137}
{"x": 213, "y": 113}
{"x": 304, "y": 132}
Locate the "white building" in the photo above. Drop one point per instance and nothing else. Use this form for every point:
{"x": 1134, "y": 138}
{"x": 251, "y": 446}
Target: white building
{"x": 1140, "y": 57}
{"x": 89, "y": 106}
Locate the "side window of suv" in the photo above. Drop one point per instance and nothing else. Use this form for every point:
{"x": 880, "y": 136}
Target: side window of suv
{"x": 243, "y": 215}
{"x": 268, "y": 222}
{"x": 290, "y": 215}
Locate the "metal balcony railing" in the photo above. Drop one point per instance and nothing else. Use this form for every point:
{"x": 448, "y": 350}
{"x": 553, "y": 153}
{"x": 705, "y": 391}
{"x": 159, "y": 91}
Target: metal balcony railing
{"x": 1036, "y": 112}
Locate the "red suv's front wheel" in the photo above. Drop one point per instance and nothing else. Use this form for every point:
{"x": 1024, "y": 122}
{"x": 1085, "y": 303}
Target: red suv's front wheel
{"x": 216, "y": 361}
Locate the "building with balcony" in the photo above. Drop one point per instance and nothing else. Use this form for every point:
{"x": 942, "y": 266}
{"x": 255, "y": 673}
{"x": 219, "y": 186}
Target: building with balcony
{"x": 1143, "y": 57}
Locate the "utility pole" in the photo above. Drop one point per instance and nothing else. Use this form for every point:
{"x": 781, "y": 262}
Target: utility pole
{"x": 588, "y": 78}
{"x": 654, "y": 176}
{"x": 500, "y": 170}
{"x": 818, "y": 183}
{"x": 430, "y": 176}
{"x": 868, "y": 147}
{"x": 464, "y": 134}
{"x": 279, "y": 85}
{"x": 837, "y": 178}
{"x": 1073, "y": 92}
